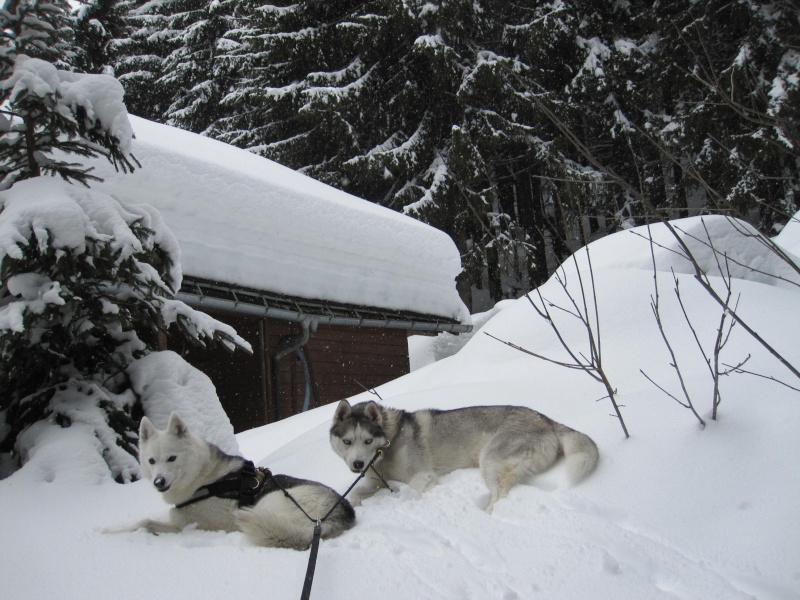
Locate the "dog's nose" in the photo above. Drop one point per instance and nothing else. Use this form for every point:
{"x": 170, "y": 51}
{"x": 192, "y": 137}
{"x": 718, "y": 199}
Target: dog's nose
{"x": 160, "y": 482}
{"x": 358, "y": 465}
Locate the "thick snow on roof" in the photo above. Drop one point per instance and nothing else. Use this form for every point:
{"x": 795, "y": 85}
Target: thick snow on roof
{"x": 245, "y": 220}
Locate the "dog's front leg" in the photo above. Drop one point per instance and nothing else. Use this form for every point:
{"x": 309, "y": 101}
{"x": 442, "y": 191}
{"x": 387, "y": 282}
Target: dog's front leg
{"x": 422, "y": 482}
{"x": 366, "y": 488}
{"x": 149, "y": 525}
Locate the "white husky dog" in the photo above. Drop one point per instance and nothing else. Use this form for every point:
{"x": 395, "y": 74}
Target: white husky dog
{"x": 507, "y": 443}
{"x": 209, "y": 488}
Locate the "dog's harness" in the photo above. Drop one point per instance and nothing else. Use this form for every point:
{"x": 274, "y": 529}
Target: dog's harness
{"x": 249, "y": 484}
{"x": 246, "y": 486}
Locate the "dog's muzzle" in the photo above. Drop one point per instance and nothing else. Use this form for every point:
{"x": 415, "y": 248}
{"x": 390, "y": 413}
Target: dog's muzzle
{"x": 358, "y": 466}
{"x": 161, "y": 484}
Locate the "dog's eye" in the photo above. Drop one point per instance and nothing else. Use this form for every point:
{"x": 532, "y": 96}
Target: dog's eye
{"x": 347, "y": 442}
{"x": 172, "y": 458}
{"x": 368, "y": 442}
{"x": 152, "y": 461}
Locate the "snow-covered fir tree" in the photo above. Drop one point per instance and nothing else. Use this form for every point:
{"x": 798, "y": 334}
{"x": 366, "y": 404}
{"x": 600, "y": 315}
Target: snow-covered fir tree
{"x": 168, "y": 59}
{"x": 138, "y": 57}
{"x": 45, "y": 119}
{"x": 732, "y": 120}
{"x": 193, "y": 70}
{"x": 97, "y": 24}
{"x": 87, "y": 284}
{"x": 38, "y": 28}
{"x": 390, "y": 102}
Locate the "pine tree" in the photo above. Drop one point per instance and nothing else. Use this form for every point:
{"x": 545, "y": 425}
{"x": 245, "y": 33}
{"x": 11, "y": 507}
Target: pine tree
{"x": 193, "y": 69}
{"x": 45, "y": 112}
{"x": 168, "y": 61}
{"x": 97, "y": 24}
{"x": 87, "y": 284}
{"x": 397, "y": 103}
{"x": 48, "y": 114}
{"x": 138, "y": 57}
{"x": 36, "y": 28}
{"x": 730, "y": 121}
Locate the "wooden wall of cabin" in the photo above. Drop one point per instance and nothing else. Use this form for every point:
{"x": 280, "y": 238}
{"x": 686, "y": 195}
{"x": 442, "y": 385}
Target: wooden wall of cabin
{"x": 342, "y": 361}
{"x": 240, "y": 378}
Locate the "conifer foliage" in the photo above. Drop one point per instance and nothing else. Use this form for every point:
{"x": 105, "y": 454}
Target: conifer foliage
{"x": 510, "y": 125}
{"x": 87, "y": 284}
{"x": 98, "y": 23}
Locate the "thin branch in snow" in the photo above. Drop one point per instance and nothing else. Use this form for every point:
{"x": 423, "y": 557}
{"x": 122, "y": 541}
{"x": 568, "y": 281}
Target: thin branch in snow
{"x": 593, "y": 365}
{"x": 738, "y": 369}
{"x": 655, "y": 305}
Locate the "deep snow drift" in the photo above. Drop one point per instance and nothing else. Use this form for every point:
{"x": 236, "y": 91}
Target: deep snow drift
{"x": 675, "y": 511}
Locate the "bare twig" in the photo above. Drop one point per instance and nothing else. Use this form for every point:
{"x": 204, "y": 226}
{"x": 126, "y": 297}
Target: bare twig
{"x": 372, "y": 391}
{"x": 666, "y": 392}
{"x": 581, "y": 367}
{"x": 738, "y": 369}
{"x": 593, "y": 365}
{"x": 655, "y": 304}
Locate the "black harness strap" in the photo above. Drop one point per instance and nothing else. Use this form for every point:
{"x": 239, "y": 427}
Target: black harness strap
{"x": 246, "y": 486}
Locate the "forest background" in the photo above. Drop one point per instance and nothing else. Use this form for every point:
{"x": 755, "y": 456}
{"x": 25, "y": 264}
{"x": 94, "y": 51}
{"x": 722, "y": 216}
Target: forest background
{"x": 524, "y": 129}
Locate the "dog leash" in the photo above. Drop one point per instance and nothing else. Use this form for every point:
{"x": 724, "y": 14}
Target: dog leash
{"x": 312, "y": 557}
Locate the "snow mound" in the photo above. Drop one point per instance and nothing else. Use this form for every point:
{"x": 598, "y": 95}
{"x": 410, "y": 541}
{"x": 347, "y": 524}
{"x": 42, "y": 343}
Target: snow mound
{"x": 166, "y": 383}
{"x": 737, "y": 248}
{"x": 425, "y": 349}
{"x": 789, "y": 237}
{"x": 71, "y": 455}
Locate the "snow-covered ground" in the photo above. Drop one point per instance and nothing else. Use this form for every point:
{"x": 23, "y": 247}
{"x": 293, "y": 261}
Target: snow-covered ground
{"x": 675, "y": 511}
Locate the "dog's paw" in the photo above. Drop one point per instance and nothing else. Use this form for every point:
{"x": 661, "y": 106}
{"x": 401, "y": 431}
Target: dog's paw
{"x": 154, "y": 527}
{"x": 115, "y": 530}
{"x": 422, "y": 482}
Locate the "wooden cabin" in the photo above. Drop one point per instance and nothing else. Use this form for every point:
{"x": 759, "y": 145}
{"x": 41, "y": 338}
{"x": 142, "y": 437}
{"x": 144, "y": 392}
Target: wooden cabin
{"x": 325, "y": 286}
{"x": 305, "y": 354}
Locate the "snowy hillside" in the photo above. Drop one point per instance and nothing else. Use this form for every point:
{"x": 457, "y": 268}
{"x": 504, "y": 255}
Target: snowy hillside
{"x": 675, "y": 511}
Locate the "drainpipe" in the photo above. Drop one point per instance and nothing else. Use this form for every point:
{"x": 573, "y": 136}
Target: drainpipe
{"x": 306, "y": 377}
{"x": 289, "y": 346}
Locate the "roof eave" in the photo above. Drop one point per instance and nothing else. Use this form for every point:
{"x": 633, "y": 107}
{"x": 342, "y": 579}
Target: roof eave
{"x": 204, "y": 294}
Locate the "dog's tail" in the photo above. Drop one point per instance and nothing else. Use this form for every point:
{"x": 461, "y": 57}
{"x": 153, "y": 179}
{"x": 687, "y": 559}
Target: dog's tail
{"x": 580, "y": 452}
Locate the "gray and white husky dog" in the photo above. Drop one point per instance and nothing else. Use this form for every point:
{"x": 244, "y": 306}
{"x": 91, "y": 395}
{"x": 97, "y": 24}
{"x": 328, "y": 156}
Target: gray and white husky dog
{"x": 507, "y": 443}
{"x": 207, "y": 487}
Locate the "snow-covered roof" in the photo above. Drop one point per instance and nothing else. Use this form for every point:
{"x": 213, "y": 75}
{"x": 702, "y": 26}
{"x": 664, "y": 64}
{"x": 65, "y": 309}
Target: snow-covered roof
{"x": 247, "y": 221}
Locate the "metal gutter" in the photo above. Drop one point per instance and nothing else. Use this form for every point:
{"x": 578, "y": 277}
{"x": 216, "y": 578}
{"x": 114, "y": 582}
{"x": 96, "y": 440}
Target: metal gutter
{"x": 218, "y": 296}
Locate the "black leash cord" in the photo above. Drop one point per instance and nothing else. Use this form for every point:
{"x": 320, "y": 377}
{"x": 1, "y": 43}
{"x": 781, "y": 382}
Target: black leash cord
{"x": 312, "y": 562}
{"x": 312, "y": 558}
{"x": 378, "y": 452}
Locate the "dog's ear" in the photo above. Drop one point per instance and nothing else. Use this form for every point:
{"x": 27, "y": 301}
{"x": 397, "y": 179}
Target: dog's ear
{"x": 146, "y": 429}
{"x": 373, "y": 413}
{"x": 176, "y": 426}
{"x": 342, "y": 412}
